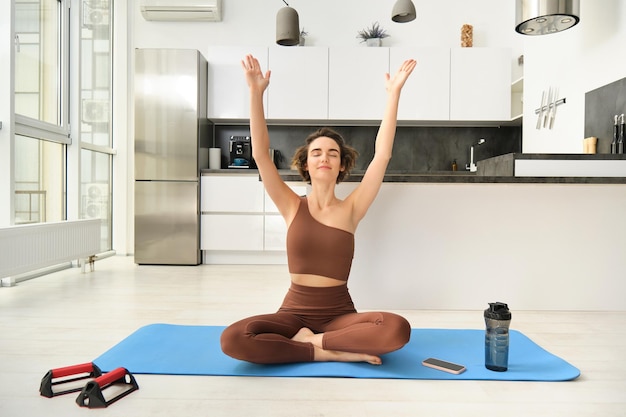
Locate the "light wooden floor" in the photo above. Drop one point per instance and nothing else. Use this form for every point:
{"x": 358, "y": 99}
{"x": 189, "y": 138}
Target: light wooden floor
{"x": 68, "y": 318}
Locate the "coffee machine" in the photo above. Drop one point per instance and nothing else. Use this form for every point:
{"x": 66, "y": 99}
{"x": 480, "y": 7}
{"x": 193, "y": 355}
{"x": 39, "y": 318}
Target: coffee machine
{"x": 240, "y": 149}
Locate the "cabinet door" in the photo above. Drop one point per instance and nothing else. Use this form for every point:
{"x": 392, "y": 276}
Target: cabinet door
{"x": 356, "y": 82}
{"x": 299, "y": 85}
{"x": 480, "y": 84}
{"x": 228, "y": 96}
{"x": 426, "y": 94}
{"x": 275, "y": 238}
{"x": 231, "y": 194}
{"x": 231, "y": 232}
{"x": 271, "y": 208}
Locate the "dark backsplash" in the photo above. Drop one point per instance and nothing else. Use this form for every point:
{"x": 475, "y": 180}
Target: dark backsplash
{"x": 416, "y": 149}
{"x": 601, "y": 105}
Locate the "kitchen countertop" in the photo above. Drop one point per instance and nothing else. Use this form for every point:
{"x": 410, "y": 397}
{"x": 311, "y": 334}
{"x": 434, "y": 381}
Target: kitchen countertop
{"x": 586, "y": 168}
{"x": 486, "y": 172}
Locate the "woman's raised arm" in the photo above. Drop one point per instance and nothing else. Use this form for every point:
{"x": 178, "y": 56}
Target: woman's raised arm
{"x": 284, "y": 198}
{"x": 363, "y": 196}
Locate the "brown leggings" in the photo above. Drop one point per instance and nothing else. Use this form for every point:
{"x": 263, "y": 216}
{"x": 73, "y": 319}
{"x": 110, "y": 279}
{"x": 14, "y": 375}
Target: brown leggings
{"x": 267, "y": 338}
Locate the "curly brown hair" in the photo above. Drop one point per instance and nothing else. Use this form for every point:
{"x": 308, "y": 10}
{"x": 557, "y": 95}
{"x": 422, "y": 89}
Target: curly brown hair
{"x": 347, "y": 152}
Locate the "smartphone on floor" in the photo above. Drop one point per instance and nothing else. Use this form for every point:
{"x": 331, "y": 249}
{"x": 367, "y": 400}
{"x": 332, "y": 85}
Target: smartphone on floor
{"x": 445, "y": 366}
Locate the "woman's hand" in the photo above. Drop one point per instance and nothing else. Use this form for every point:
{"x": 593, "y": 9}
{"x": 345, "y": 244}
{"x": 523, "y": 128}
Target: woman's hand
{"x": 396, "y": 83}
{"x": 254, "y": 76}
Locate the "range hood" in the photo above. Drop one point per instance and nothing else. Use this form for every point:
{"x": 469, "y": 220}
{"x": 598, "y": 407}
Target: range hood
{"x": 543, "y": 17}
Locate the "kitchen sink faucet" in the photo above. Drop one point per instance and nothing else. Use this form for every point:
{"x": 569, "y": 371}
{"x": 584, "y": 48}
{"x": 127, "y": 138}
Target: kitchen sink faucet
{"x": 471, "y": 167}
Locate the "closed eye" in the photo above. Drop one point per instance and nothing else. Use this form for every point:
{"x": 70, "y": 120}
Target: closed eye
{"x": 331, "y": 152}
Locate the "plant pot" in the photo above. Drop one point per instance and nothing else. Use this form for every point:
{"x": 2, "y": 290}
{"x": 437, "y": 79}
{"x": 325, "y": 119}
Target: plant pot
{"x": 374, "y": 42}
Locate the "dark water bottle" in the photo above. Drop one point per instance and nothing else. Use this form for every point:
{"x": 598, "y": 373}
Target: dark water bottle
{"x": 497, "y": 321}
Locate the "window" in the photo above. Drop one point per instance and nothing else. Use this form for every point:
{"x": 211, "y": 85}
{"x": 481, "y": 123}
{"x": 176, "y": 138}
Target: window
{"x": 39, "y": 60}
{"x": 41, "y": 122}
{"x": 96, "y": 193}
{"x": 96, "y": 143}
{"x": 40, "y": 174}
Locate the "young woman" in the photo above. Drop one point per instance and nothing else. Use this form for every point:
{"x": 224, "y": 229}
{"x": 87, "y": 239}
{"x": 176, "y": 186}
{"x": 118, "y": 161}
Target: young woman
{"x": 317, "y": 320}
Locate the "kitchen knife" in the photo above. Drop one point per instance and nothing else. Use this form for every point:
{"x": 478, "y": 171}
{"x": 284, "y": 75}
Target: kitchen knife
{"x": 540, "y": 117}
{"x": 553, "y": 109}
{"x": 547, "y": 112}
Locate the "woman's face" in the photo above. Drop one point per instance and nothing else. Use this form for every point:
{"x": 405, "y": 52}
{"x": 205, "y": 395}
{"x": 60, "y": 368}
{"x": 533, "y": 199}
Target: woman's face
{"x": 324, "y": 158}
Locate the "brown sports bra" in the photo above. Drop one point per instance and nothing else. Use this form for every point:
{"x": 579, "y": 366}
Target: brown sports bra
{"x": 317, "y": 249}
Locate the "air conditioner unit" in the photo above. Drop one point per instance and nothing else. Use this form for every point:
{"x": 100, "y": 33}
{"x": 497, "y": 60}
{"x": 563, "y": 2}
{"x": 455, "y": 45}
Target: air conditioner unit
{"x": 95, "y": 111}
{"x": 96, "y": 201}
{"x": 93, "y": 17}
{"x": 97, "y": 191}
{"x": 182, "y": 10}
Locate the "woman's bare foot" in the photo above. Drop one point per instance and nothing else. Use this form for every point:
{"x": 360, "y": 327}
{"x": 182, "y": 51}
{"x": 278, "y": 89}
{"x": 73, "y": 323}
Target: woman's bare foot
{"x": 322, "y": 355}
{"x": 305, "y": 335}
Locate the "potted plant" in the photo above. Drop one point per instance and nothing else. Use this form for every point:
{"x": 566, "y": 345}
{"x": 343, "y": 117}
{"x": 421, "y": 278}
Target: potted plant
{"x": 303, "y": 35}
{"x": 372, "y": 35}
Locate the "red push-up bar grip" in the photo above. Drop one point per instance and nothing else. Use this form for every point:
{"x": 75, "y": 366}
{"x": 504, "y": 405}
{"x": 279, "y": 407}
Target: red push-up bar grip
{"x": 73, "y": 370}
{"x": 63, "y": 380}
{"x": 113, "y": 376}
{"x": 92, "y": 393}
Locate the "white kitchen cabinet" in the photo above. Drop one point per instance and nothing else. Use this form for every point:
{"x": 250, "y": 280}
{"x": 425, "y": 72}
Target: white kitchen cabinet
{"x": 356, "y": 83}
{"x": 275, "y": 228}
{"x": 234, "y": 232}
{"x": 232, "y": 212}
{"x": 299, "y": 83}
{"x": 275, "y": 233}
{"x": 480, "y": 84}
{"x": 426, "y": 94}
{"x": 347, "y": 83}
{"x": 270, "y": 207}
{"x": 238, "y": 215}
{"x": 237, "y": 193}
{"x": 228, "y": 96}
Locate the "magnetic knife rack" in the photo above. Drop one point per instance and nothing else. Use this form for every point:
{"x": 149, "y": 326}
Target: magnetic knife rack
{"x": 547, "y": 112}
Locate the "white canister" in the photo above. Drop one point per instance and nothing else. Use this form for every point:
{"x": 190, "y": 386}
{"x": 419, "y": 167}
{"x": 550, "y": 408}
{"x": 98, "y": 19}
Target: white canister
{"x": 215, "y": 158}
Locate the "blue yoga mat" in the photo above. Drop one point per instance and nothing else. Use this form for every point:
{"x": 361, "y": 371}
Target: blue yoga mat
{"x": 195, "y": 350}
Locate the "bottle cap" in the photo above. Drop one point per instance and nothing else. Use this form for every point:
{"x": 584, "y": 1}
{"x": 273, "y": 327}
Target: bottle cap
{"x": 498, "y": 311}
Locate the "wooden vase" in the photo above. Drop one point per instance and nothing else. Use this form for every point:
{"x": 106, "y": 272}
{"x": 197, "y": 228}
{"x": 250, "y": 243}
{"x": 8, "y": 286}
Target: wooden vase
{"x": 467, "y": 36}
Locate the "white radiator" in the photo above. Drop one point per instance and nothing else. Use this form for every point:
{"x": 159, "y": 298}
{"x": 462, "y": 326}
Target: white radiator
{"x": 28, "y": 247}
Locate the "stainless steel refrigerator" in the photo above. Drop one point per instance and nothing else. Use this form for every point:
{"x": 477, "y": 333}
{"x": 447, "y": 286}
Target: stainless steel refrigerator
{"x": 172, "y": 137}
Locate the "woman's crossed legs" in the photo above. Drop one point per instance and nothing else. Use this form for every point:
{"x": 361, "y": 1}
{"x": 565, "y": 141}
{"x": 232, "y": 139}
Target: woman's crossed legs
{"x": 287, "y": 337}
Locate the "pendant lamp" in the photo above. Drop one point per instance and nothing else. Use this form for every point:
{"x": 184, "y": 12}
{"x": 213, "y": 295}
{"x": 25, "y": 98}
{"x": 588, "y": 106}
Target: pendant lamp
{"x": 287, "y": 26}
{"x": 542, "y": 17}
{"x": 403, "y": 11}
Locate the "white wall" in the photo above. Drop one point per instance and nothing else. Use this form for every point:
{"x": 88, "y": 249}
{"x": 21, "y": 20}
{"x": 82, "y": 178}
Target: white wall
{"x": 583, "y": 58}
{"x": 335, "y": 23}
